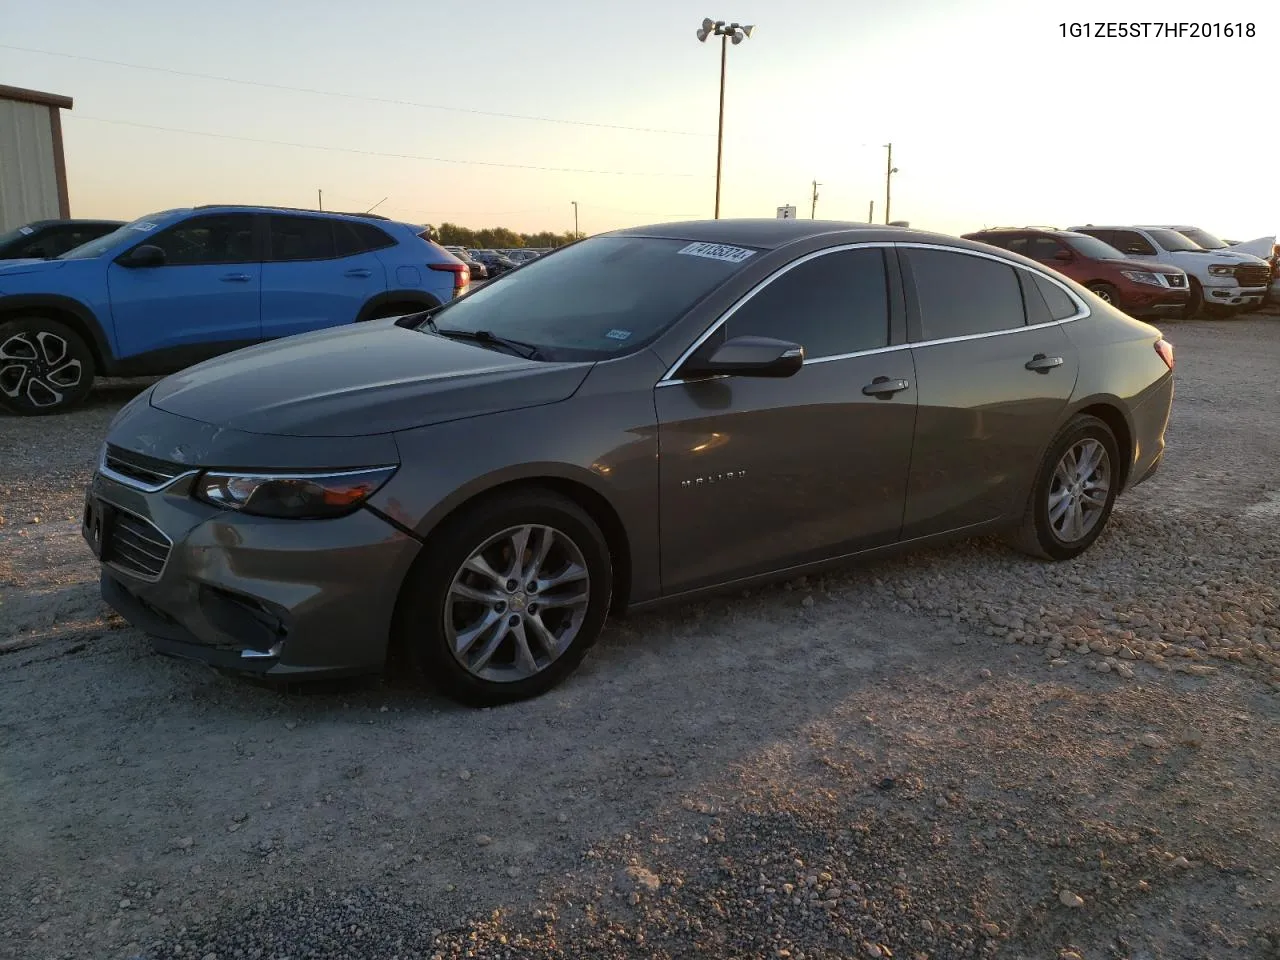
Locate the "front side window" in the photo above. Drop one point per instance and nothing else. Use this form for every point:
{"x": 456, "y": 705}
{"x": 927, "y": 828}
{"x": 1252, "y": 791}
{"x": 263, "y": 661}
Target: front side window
{"x": 217, "y": 238}
{"x": 962, "y": 295}
{"x": 1043, "y": 248}
{"x": 301, "y": 238}
{"x": 1093, "y": 248}
{"x": 1203, "y": 239}
{"x": 834, "y": 304}
{"x": 598, "y": 298}
{"x": 1173, "y": 241}
{"x": 1135, "y": 244}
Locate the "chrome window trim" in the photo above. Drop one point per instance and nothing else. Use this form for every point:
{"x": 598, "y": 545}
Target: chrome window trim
{"x": 1082, "y": 309}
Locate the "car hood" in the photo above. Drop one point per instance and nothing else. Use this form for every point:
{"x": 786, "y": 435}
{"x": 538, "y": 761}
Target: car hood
{"x": 13, "y": 268}
{"x": 1260, "y": 247}
{"x": 1225, "y": 255}
{"x": 360, "y": 380}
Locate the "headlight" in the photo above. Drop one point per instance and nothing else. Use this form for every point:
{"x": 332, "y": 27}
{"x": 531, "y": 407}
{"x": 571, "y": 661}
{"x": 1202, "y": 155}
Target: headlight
{"x": 293, "y": 496}
{"x": 1142, "y": 276}
{"x": 1222, "y": 270}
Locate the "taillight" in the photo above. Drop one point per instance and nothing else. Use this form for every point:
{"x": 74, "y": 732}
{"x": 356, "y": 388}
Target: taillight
{"x": 1165, "y": 349}
{"x": 461, "y": 275}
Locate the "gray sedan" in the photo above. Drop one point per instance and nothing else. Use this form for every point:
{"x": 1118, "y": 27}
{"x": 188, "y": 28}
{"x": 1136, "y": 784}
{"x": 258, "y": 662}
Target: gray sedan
{"x": 639, "y": 417}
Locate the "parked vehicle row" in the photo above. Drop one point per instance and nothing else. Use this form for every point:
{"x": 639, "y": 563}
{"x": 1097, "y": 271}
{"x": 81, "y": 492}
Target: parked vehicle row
{"x": 1147, "y": 270}
{"x": 179, "y": 286}
{"x": 644, "y": 416}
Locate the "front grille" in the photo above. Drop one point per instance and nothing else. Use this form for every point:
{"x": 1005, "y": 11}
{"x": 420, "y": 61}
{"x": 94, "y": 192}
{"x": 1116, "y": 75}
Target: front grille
{"x": 1176, "y": 280}
{"x": 1253, "y": 276}
{"x": 144, "y": 470}
{"x": 136, "y": 546}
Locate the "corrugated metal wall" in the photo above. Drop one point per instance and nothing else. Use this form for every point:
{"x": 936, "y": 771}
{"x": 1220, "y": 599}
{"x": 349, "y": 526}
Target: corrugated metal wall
{"x": 28, "y": 172}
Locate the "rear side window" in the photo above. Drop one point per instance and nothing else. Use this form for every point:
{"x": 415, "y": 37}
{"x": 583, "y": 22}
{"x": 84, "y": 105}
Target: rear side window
{"x": 1060, "y": 305}
{"x": 833, "y": 304}
{"x": 351, "y": 238}
{"x": 301, "y": 238}
{"x": 961, "y": 295}
{"x": 1043, "y": 248}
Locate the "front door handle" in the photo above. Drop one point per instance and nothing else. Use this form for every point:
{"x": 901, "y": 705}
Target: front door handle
{"x": 885, "y": 387}
{"x": 1042, "y": 364}
{"x": 358, "y": 272}
{"x": 236, "y": 278}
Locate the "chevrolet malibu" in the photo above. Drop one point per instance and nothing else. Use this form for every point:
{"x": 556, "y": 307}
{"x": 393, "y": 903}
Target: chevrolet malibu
{"x": 465, "y": 494}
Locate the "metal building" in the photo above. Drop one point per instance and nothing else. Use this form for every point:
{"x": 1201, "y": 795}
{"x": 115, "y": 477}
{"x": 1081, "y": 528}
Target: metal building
{"x": 33, "y": 170}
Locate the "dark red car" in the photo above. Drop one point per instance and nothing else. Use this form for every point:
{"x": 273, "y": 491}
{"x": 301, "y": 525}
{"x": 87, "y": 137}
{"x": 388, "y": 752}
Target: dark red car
{"x": 1139, "y": 288}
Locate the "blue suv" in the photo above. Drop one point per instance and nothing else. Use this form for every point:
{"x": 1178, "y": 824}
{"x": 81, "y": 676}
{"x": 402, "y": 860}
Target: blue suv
{"x": 181, "y": 286}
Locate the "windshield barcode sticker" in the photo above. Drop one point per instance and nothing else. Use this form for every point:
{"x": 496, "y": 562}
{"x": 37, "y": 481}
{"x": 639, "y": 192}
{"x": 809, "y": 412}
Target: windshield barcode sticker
{"x": 144, "y": 227}
{"x": 619, "y": 334}
{"x": 717, "y": 251}
{"x": 26, "y": 231}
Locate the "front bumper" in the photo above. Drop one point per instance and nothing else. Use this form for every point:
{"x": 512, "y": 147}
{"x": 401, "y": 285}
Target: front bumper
{"x": 1234, "y": 296}
{"x": 277, "y": 598}
{"x": 1146, "y": 301}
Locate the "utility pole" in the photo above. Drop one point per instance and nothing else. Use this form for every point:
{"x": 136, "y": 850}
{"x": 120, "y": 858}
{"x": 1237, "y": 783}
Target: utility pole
{"x": 889, "y": 171}
{"x": 575, "y": 218}
{"x": 813, "y": 208}
{"x": 320, "y": 199}
{"x": 871, "y": 212}
{"x": 728, "y": 33}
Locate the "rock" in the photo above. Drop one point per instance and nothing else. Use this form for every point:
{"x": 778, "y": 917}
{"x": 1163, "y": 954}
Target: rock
{"x": 985, "y": 674}
{"x": 562, "y": 818}
{"x": 483, "y": 839}
{"x": 464, "y": 775}
{"x": 807, "y": 602}
{"x": 1180, "y": 863}
{"x": 126, "y": 903}
{"x": 1192, "y": 738}
{"x": 991, "y": 929}
{"x": 634, "y": 879}
{"x": 1153, "y": 741}
{"x": 1069, "y": 899}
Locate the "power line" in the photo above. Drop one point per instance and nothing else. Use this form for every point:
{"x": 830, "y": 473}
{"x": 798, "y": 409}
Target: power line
{"x": 353, "y": 96}
{"x": 375, "y": 153}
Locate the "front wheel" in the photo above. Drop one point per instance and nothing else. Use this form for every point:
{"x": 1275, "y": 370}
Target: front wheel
{"x": 1074, "y": 492}
{"x": 1107, "y": 294}
{"x": 506, "y": 600}
{"x": 45, "y": 366}
{"x": 1195, "y": 303}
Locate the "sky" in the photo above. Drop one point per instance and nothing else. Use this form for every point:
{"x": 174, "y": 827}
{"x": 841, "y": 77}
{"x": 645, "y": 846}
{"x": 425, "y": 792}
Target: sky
{"x": 995, "y": 117}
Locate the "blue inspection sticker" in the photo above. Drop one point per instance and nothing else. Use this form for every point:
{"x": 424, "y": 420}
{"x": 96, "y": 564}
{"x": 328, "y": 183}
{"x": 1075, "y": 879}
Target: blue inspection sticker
{"x": 619, "y": 334}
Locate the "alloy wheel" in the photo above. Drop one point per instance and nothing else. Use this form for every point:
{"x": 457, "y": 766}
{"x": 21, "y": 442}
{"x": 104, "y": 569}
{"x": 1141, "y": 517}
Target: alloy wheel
{"x": 517, "y": 603}
{"x": 1079, "y": 491}
{"x": 38, "y": 368}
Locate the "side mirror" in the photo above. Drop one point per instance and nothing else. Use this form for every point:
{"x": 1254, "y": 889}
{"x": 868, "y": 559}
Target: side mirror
{"x": 748, "y": 357}
{"x": 143, "y": 256}
{"x": 1063, "y": 255}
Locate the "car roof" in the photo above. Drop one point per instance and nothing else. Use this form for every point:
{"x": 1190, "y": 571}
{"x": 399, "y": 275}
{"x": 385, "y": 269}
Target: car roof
{"x": 1051, "y": 231}
{"x": 771, "y": 233}
{"x": 317, "y": 213}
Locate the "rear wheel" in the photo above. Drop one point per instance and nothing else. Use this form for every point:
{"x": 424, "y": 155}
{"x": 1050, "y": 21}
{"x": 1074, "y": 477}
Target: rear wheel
{"x": 45, "y": 366}
{"x": 1074, "y": 492}
{"x": 508, "y": 597}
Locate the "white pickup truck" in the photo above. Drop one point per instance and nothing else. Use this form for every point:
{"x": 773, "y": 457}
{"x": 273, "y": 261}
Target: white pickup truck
{"x": 1223, "y": 281}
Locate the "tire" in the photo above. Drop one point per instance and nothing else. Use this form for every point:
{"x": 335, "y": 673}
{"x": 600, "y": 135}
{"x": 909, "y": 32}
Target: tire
{"x": 1107, "y": 293}
{"x": 1195, "y": 304}
{"x": 45, "y": 367}
{"x": 1046, "y": 536}
{"x": 433, "y": 619}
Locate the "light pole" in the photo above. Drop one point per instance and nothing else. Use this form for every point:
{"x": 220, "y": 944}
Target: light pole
{"x": 727, "y": 32}
{"x": 889, "y": 171}
{"x": 575, "y": 218}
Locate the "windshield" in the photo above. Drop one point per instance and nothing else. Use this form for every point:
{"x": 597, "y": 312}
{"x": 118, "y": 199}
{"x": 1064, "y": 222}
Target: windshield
{"x": 96, "y": 248}
{"x": 1093, "y": 248}
{"x": 9, "y": 236}
{"x": 598, "y": 298}
{"x": 1173, "y": 241}
{"x": 1205, "y": 240}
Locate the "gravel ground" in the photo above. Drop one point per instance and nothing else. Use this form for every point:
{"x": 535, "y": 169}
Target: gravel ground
{"x": 959, "y": 753}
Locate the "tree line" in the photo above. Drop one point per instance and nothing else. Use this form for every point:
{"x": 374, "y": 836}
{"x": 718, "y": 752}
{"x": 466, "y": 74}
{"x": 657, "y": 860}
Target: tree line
{"x": 498, "y": 238}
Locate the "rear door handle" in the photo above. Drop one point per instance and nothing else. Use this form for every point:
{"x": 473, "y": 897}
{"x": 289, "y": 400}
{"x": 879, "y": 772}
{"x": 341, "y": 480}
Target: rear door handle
{"x": 236, "y": 278}
{"x": 1042, "y": 364}
{"x": 885, "y": 387}
{"x": 358, "y": 272}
